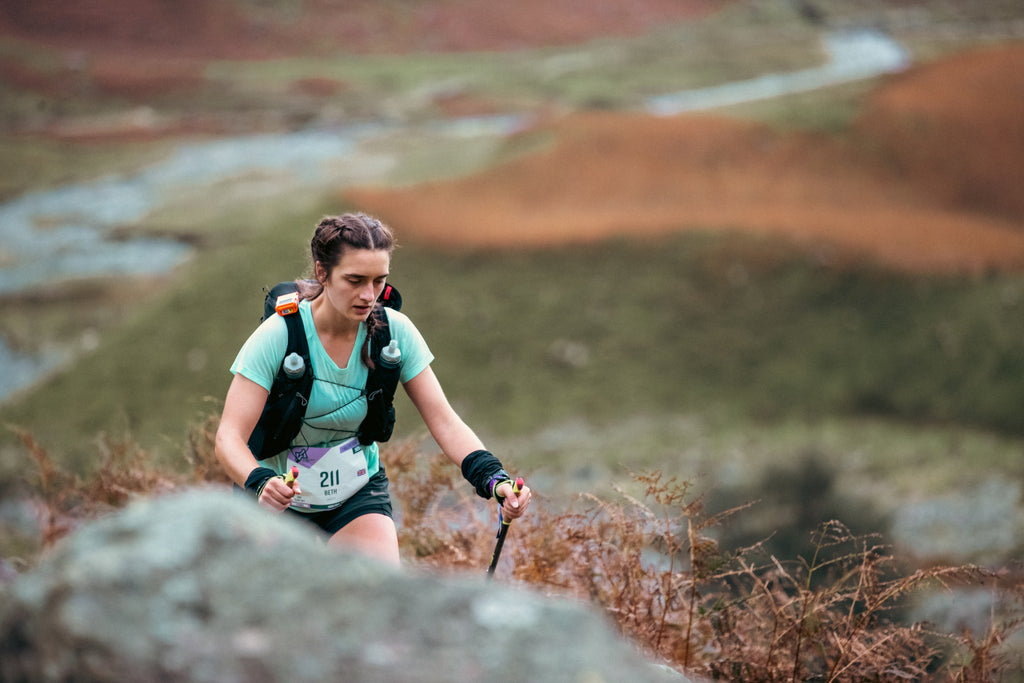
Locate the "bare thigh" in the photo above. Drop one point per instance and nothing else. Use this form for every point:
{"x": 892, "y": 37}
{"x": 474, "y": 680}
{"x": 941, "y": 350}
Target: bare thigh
{"x": 373, "y": 535}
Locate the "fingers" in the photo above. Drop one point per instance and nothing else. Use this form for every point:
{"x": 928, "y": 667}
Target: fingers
{"x": 277, "y": 495}
{"x": 504, "y": 493}
{"x": 514, "y": 505}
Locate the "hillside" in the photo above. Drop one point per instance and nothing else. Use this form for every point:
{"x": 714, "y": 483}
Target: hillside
{"x": 889, "y": 193}
{"x": 926, "y": 180}
{"x": 812, "y": 302}
{"x": 254, "y": 29}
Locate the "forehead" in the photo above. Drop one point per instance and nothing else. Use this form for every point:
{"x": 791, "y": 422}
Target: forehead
{"x": 364, "y": 262}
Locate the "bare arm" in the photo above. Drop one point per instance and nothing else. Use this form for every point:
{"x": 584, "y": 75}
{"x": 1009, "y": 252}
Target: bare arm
{"x": 242, "y": 409}
{"x": 453, "y": 435}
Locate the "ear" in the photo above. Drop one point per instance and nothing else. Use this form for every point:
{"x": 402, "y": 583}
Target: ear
{"x": 319, "y": 272}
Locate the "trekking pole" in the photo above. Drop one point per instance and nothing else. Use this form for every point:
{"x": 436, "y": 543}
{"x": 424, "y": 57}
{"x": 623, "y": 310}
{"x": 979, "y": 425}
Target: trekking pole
{"x": 292, "y": 475}
{"x": 503, "y": 525}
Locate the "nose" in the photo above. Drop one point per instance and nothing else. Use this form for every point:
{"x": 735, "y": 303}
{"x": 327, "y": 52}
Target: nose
{"x": 367, "y": 293}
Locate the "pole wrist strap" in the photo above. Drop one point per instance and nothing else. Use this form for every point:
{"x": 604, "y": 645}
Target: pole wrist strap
{"x": 501, "y": 478}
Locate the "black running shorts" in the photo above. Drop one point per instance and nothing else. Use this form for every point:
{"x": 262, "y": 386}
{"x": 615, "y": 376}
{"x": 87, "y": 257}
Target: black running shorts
{"x": 373, "y": 498}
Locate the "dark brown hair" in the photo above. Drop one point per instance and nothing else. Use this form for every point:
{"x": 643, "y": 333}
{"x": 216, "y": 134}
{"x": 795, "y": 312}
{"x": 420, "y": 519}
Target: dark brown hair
{"x": 334, "y": 235}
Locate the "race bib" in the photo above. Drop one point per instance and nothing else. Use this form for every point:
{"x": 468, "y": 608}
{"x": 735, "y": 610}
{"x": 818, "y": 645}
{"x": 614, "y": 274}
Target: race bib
{"x": 328, "y": 476}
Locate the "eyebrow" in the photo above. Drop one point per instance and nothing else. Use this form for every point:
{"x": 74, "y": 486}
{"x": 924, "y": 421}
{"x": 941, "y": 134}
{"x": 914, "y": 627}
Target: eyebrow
{"x": 363, "y": 276}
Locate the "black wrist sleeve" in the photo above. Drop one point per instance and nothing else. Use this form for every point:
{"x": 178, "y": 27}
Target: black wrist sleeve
{"x": 480, "y": 468}
{"x": 257, "y": 478}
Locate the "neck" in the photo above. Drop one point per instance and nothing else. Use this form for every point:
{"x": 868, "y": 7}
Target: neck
{"x": 329, "y": 322}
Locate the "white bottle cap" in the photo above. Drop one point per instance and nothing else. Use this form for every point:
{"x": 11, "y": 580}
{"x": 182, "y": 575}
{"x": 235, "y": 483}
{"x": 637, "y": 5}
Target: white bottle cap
{"x": 294, "y": 365}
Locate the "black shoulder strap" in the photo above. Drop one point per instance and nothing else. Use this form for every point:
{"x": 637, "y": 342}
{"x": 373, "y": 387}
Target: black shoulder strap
{"x": 297, "y": 342}
{"x": 390, "y": 298}
{"x": 381, "y": 382}
{"x": 286, "y": 403}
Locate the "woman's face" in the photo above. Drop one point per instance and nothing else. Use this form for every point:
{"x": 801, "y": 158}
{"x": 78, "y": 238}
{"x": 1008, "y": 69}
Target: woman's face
{"x": 356, "y": 281}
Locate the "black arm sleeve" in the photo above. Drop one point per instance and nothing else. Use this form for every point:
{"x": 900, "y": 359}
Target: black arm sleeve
{"x": 257, "y": 478}
{"x": 480, "y": 468}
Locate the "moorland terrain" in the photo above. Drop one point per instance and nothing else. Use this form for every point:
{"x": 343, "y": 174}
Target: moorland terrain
{"x": 837, "y": 272}
{"x": 811, "y": 301}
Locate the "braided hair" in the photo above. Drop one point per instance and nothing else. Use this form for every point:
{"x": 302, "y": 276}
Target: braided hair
{"x": 332, "y": 237}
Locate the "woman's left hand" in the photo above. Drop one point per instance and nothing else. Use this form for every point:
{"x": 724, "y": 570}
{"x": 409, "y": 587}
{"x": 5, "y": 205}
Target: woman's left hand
{"x": 514, "y": 505}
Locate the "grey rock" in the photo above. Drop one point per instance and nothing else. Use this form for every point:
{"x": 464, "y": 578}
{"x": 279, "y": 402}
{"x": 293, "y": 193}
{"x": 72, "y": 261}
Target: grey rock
{"x": 204, "y": 586}
{"x": 980, "y": 524}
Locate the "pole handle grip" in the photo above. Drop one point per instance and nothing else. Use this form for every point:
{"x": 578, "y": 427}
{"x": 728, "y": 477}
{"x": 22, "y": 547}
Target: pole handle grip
{"x": 517, "y": 486}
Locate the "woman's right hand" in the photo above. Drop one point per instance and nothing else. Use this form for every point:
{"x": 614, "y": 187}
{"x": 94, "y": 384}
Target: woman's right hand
{"x": 277, "y": 495}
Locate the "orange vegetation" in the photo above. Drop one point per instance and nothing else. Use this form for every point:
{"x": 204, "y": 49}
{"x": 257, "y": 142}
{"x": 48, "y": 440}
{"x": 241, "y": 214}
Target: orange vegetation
{"x": 928, "y": 180}
{"x": 957, "y": 127}
{"x": 945, "y": 199}
{"x": 200, "y": 27}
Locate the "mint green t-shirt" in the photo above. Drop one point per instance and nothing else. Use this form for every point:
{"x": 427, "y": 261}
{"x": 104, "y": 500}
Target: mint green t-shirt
{"x": 337, "y": 404}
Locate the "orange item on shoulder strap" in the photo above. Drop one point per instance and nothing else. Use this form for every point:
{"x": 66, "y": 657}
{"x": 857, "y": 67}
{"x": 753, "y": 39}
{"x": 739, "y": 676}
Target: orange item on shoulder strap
{"x": 287, "y": 303}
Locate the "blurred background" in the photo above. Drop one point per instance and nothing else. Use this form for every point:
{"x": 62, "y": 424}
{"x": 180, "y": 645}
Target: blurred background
{"x": 774, "y": 248}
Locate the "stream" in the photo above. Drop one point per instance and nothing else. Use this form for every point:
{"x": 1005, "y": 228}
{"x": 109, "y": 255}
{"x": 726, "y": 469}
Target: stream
{"x": 852, "y": 56}
{"x": 71, "y": 232}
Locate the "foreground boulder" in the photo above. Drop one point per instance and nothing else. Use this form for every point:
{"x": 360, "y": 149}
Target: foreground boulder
{"x": 203, "y": 586}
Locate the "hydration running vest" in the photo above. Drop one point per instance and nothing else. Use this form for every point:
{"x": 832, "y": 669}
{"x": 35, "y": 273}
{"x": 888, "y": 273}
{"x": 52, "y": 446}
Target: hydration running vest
{"x": 285, "y": 408}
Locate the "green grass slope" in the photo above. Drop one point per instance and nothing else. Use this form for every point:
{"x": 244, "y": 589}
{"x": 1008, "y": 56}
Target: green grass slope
{"x": 685, "y": 324}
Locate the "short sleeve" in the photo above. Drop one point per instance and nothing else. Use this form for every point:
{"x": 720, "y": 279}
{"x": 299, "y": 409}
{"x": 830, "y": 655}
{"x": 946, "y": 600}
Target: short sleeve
{"x": 416, "y": 355}
{"x": 260, "y": 357}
